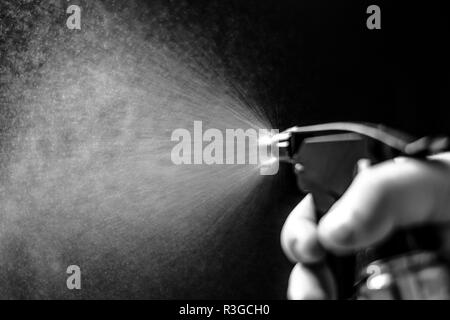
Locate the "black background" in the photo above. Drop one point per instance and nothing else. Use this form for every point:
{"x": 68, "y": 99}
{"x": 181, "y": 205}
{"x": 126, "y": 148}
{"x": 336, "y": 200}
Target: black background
{"x": 316, "y": 61}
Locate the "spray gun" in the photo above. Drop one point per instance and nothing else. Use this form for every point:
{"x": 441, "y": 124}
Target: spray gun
{"x": 325, "y": 159}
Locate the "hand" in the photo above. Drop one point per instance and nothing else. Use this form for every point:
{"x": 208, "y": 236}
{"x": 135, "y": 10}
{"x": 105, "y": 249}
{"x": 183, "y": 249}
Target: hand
{"x": 394, "y": 194}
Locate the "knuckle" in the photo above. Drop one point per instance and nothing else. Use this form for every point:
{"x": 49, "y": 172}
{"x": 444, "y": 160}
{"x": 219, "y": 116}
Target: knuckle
{"x": 303, "y": 286}
{"x": 300, "y": 241}
{"x": 376, "y": 180}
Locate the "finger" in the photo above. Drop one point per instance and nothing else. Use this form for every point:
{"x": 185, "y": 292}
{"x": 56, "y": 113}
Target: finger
{"x": 299, "y": 237}
{"x": 384, "y": 197}
{"x": 311, "y": 283}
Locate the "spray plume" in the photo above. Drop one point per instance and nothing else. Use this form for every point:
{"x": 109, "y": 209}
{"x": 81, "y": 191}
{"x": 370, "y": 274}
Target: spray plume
{"x": 86, "y": 173}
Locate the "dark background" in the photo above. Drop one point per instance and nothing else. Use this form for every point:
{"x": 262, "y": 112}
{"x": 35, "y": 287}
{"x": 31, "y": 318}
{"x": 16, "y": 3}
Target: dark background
{"x": 304, "y": 62}
{"x": 316, "y": 60}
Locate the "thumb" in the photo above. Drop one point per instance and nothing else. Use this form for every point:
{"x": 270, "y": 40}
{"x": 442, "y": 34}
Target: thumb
{"x": 390, "y": 195}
